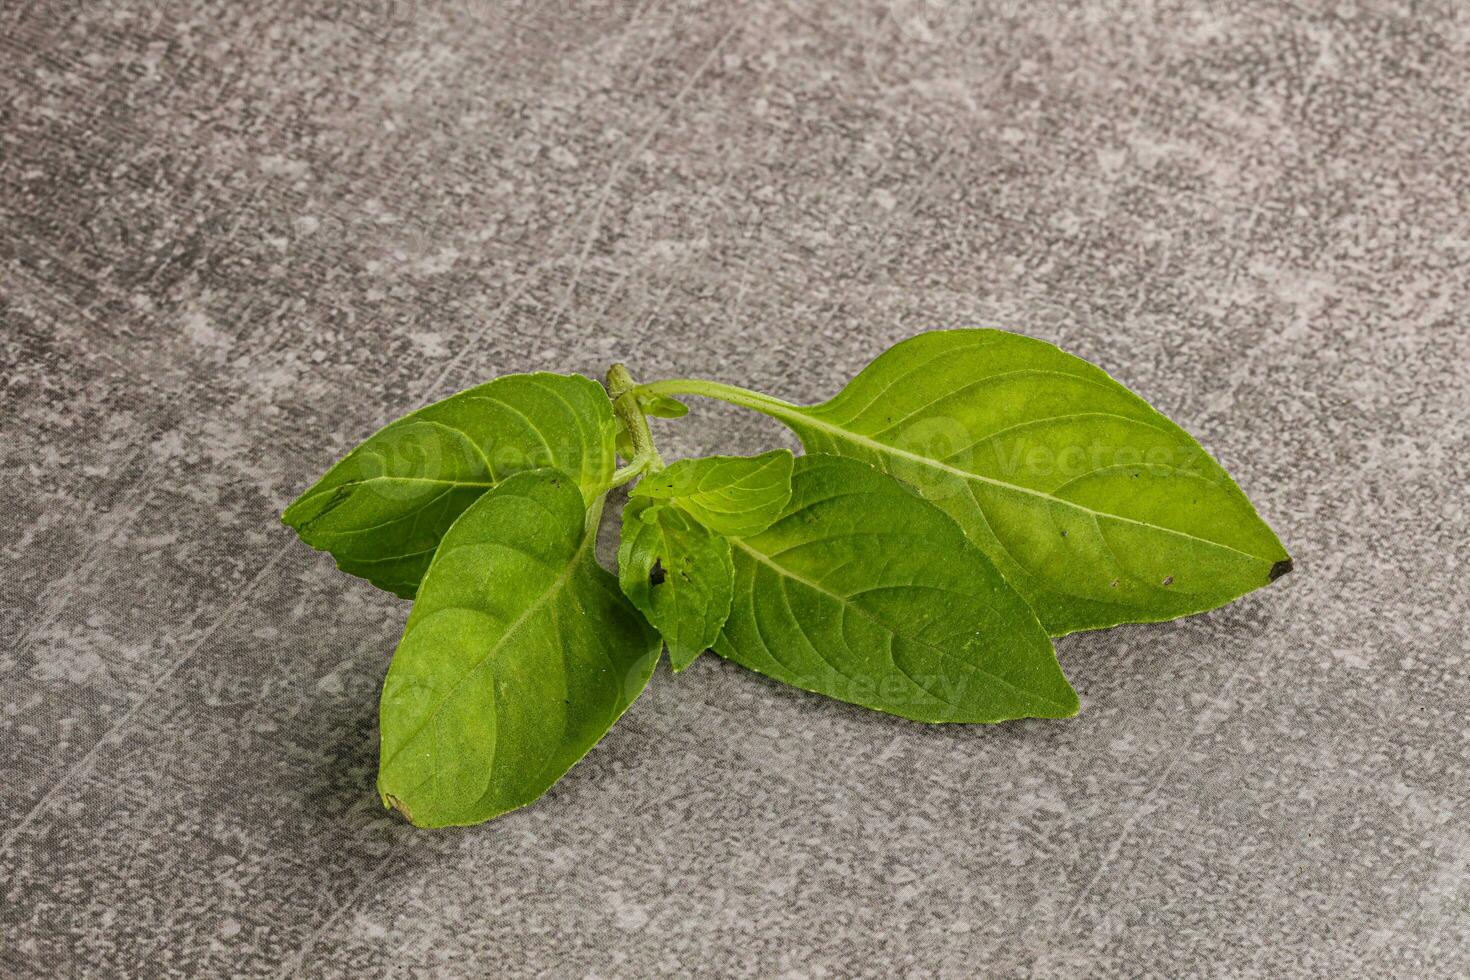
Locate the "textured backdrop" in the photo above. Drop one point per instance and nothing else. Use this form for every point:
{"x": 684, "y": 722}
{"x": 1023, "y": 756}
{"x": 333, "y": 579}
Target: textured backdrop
{"x": 237, "y": 237}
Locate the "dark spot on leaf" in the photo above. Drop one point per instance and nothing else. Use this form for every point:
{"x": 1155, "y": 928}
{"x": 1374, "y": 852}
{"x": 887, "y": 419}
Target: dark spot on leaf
{"x": 656, "y": 573}
{"x": 1064, "y": 534}
{"x": 1113, "y": 584}
{"x": 1280, "y": 568}
{"x": 1168, "y": 580}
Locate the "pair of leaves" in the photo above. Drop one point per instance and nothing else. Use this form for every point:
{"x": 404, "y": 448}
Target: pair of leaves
{"x": 961, "y": 481}
{"x": 1096, "y": 507}
{"x": 521, "y": 651}
{"x": 382, "y": 510}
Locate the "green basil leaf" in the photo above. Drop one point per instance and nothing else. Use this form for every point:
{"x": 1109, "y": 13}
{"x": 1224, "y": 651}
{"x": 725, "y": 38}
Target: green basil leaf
{"x": 382, "y": 509}
{"x": 865, "y": 592}
{"x": 1094, "y": 505}
{"x": 519, "y": 655}
{"x": 734, "y": 495}
{"x": 678, "y": 573}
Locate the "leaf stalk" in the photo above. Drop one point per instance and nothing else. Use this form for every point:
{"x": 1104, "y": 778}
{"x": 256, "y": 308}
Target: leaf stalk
{"x": 734, "y": 395}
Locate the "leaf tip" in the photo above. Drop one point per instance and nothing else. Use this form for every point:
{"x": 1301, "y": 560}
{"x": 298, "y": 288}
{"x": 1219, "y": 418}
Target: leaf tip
{"x": 1279, "y": 569}
{"x": 681, "y": 660}
{"x": 1067, "y": 706}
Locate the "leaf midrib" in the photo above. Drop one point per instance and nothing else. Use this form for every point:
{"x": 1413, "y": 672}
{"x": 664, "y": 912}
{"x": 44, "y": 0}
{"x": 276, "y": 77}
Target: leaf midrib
{"x": 509, "y": 632}
{"x": 348, "y": 485}
{"x": 805, "y": 418}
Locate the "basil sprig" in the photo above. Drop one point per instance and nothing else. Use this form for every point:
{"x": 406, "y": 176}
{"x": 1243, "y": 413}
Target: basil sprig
{"x": 968, "y": 496}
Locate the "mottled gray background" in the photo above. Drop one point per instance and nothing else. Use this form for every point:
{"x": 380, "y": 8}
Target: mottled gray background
{"x": 237, "y": 237}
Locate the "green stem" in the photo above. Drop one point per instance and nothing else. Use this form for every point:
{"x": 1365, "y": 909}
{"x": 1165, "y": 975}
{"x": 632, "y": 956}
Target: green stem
{"x": 624, "y": 393}
{"x": 626, "y": 473}
{"x": 743, "y": 397}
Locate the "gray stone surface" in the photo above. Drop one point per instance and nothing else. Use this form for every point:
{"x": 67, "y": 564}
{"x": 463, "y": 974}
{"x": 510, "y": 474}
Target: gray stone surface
{"x": 239, "y": 236}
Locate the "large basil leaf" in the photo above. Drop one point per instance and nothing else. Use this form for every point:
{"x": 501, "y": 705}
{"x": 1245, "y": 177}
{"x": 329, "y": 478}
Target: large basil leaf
{"x": 733, "y": 495}
{"x": 519, "y": 655}
{"x": 865, "y": 592}
{"x": 678, "y": 573}
{"x": 382, "y": 509}
{"x": 1095, "y": 506}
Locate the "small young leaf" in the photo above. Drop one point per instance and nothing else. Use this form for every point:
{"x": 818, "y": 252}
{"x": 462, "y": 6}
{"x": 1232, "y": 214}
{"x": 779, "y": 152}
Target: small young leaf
{"x": 519, "y": 655}
{"x": 382, "y": 509}
{"x": 674, "y": 562}
{"x": 624, "y": 444}
{"x": 678, "y": 573}
{"x": 734, "y": 495}
{"x": 1094, "y": 505}
{"x": 664, "y": 407}
{"x": 865, "y": 592}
